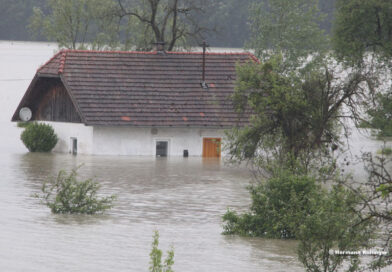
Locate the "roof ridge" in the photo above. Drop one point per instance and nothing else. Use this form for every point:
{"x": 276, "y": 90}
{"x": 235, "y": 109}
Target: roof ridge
{"x": 155, "y": 52}
{"x": 62, "y": 55}
{"x": 51, "y": 59}
{"x": 62, "y": 62}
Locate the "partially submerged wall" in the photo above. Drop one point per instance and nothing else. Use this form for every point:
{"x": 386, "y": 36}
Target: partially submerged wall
{"x": 68, "y": 131}
{"x": 142, "y": 141}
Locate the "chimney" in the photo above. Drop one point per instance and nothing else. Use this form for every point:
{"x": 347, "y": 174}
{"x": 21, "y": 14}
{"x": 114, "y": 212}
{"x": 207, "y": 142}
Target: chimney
{"x": 160, "y": 47}
{"x": 203, "y": 83}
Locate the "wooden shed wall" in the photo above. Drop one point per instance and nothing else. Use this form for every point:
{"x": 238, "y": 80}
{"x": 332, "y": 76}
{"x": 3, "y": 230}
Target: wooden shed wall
{"x": 50, "y": 101}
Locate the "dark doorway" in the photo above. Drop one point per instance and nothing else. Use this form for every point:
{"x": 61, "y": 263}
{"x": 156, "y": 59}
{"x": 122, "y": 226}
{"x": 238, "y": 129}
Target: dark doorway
{"x": 74, "y": 146}
{"x": 161, "y": 148}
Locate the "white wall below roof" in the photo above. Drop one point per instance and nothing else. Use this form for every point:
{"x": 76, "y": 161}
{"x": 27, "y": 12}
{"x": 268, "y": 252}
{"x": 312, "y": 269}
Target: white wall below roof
{"x": 131, "y": 141}
{"x": 66, "y": 131}
{"x": 141, "y": 142}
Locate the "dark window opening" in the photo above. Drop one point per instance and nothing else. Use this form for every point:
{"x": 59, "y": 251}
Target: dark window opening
{"x": 74, "y": 146}
{"x": 161, "y": 148}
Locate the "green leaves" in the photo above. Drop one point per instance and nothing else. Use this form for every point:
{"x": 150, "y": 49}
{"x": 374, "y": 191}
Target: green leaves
{"x": 65, "y": 194}
{"x": 290, "y": 28}
{"x": 278, "y": 206}
{"x": 294, "y": 205}
{"x": 362, "y": 27}
{"x": 292, "y": 111}
{"x": 333, "y": 224}
{"x": 74, "y": 23}
{"x": 156, "y": 257}
{"x": 381, "y": 115}
{"x": 39, "y": 137}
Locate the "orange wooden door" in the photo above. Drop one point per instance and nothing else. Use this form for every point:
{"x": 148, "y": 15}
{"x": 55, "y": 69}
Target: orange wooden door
{"x": 211, "y": 147}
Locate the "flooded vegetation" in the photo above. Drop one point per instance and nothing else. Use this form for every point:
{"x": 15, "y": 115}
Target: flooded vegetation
{"x": 184, "y": 199}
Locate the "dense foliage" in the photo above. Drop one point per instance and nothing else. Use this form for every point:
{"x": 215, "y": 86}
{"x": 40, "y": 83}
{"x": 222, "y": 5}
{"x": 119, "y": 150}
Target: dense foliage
{"x": 381, "y": 115}
{"x": 65, "y": 194}
{"x": 156, "y": 257}
{"x": 362, "y": 27}
{"x": 23, "y": 124}
{"x": 278, "y": 206}
{"x": 300, "y": 99}
{"x": 334, "y": 223}
{"x": 74, "y": 23}
{"x": 227, "y": 18}
{"x": 291, "y": 28}
{"x": 294, "y": 205}
{"x": 39, "y": 137}
{"x": 295, "y": 113}
{"x": 378, "y": 190}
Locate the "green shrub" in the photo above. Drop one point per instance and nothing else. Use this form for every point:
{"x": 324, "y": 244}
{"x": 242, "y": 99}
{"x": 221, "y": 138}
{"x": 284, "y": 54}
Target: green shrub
{"x": 294, "y": 205}
{"x": 65, "y": 194}
{"x": 381, "y": 115}
{"x": 278, "y": 207}
{"x": 39, "y": 137}
{"x": 334, "y": 224}
{"x": 23, "y": 124}
{"x": 156, "y": 257}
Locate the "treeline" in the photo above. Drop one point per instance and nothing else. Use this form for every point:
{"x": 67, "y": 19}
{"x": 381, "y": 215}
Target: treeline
{"x": 227, "y": 20}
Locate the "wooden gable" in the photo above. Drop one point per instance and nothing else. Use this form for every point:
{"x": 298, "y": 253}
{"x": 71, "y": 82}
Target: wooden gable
{"x": 49, "y": 100}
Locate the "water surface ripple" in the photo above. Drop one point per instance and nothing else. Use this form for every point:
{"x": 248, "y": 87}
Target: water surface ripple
{"x": 182, "y": 198}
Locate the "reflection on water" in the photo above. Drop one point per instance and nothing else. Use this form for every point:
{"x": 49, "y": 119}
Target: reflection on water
{"x": 183, "y": 198}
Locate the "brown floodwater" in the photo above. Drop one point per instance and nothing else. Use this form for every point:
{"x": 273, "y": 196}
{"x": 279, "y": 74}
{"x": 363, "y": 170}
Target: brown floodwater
{"x": 183, "y": 199}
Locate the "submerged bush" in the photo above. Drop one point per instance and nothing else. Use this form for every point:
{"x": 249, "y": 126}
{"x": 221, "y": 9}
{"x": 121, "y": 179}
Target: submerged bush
{"x": 39, "y": 137}
{"x": 65, "y": 194}
{"x": 334, "y": 224}
{"x": 278, "y": 206}
{"x": 156, "y": 257}
{"x": 292, "y": 205}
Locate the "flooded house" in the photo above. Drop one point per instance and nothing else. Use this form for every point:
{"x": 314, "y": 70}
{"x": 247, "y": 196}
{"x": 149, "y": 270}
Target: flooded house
{"x": 136, "y": 103}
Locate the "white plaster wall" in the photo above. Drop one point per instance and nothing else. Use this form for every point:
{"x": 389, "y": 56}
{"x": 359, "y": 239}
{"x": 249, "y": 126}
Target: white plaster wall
{"x": 65, "y": 131}
{"x": 141, "y": 142}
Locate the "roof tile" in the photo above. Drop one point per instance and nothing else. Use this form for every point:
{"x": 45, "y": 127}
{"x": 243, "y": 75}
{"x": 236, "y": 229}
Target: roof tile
{"x": 155, "y": 89}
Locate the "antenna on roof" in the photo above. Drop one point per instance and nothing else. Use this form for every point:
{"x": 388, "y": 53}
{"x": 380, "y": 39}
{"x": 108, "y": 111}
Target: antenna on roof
{"x": 203, "y": 82}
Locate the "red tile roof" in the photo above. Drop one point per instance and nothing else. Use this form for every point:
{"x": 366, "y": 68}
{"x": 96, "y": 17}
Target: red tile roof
{"x": 148, "y": 88}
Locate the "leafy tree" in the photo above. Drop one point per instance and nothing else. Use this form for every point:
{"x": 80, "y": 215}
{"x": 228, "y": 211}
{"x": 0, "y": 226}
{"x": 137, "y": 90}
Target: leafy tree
{"x": 381, "y": 115}
{"x": 65, "y": 194}
{"x": 39, "y": 137}
{"x": 293, "y": 205}
{"x": 362, "y": 27}
{"x": 156, "y": 257}
{"x": 378, "y": 201}
{"x": 228, "y": 19}
{"x": 294, "y": 114}
{"x": 285, "y": 27}
{"x": 119, "y": 24}
{"x": 278, "y": 206}
{"x": 333, "y": 223}
{"x": 74, "y": 23}
{"x": 170, "y": 21}
{"x": 297, "y": 117}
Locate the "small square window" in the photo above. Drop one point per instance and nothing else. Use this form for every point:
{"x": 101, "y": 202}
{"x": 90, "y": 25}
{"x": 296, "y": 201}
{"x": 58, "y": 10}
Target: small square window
{"x": 161, "y": 148}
